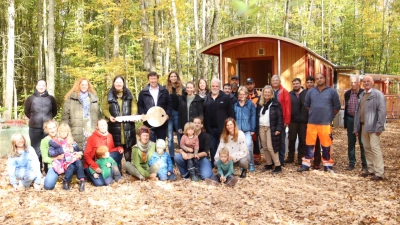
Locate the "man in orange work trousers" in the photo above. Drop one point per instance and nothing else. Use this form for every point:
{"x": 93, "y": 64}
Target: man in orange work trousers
{"x": 322, "y": 103}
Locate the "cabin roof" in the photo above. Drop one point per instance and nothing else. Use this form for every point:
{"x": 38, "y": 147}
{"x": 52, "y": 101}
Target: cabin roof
{"x": 235, "y": 41}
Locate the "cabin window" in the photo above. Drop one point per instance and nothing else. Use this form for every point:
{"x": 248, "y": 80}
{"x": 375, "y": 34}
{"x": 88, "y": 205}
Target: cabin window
{"x": 261, "y": 51}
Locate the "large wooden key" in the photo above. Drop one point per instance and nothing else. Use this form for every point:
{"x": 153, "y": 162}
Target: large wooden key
{"x": 155, "y": 116}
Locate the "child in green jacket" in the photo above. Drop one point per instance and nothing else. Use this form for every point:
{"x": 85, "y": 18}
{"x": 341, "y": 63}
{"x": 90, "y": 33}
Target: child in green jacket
{"x": 108, "y": 166}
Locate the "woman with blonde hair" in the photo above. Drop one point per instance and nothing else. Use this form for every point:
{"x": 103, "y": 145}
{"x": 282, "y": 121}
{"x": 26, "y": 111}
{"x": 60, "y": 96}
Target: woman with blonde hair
{"x": 176, "y": 90}
{"x": 23, "y": 164}
{"x": 81, "y": 111}
{"x": 269, "y": 127}
{"x": 234, "y": 139}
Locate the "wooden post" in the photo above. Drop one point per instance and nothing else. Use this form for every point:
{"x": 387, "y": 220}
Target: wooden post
{"x": 279, "y": 57}
{"x": 220, "y": 64}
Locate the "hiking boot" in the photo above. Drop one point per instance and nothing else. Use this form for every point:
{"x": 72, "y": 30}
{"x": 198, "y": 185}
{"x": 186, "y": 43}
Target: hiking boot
{"x": 244, "y": 173}
{"x": 277, "y": 170}
{"x": 376, "y": 178}
{"x": 81, "y": 185}
{"x": 302, "y": 169}
{"x": 366, "y": 174}
{"x": 289, "y": 160}
{"x": 350, "y": 168}
{"x": 194, "y": 178}
{"x": 66, "y": 185}
{"x": 232, "y": 182}
{"x": 211, "y": 182}
{"x": 267, "y": 168}
{"x": 251, "y": 168}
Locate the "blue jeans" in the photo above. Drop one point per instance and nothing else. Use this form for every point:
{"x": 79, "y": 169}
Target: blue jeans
{"x": 249, "y": 143}
{"x": 118, "y": 158}
{"x": 214, "y": 142}
{"x": 173, "y": 125}
{"x": 51, "y": 176}
{"x": 27, "y": 176}
{"x": 164, "y": 177}
{"x": 204, "y": 166}
{"x": 283, "y": 148}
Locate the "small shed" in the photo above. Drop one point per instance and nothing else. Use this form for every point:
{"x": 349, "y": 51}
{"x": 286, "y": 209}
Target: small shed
{"x": 260, "y": 56}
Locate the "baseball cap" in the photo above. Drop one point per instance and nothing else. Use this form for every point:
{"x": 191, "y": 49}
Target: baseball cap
{"x": 249, "y": 80}
{"x": 235, "y": 77}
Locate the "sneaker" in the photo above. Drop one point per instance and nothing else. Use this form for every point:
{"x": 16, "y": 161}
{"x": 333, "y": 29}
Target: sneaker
{"x": 267, "y": 168}
{"x": 187, "y": 177}
{"x": 37, "y": 187}
{"x": 21, "y": 187}
{"x": 251, "y": 168}
{"x": 302, "y": 169}
{"x": 232, "y": 182}
{"x": 211, "y": 182}
{"x": 328, "y": 170}
{"x": 366, "y": 174}
{"x": 277, "y": 170}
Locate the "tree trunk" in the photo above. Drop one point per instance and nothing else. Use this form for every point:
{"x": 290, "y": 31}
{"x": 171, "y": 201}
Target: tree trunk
{"x": 51, "y": 41}
{"x": 322, "y": 28}
{"x": 107, "y": 37}
{"x": 287, "y": 12}
{"x": 156, "y": 31}
{"x": 116, "y": 42}
{"x": 177, "y": 39}
{"x": 145, "y": 36}
{"x": 214, "y": 27}
{"x": 10, "y": 60}
{"x": 45, "y": 38}
{"x": 4, "y": 63}
{"x": 40, "y": 41}
{"x": 197, "y": 38}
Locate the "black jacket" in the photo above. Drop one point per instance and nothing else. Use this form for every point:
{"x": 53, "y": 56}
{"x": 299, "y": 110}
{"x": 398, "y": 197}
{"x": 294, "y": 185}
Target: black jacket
{"x": 115, "y": 128}
{"x": 196, "y": 109}
{"x": 346, "y": 101}
{"x": 146, "y": 101}
{"x": 224, "y": 110}
{"x": 299, "y": 112}
{"x": 233, "y": 98}
{"x": 276, "y": 123}
{"x": 40, "y": 108}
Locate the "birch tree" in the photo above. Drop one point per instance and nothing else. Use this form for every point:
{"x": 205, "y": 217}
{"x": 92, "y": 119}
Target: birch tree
{"x": 51, "y": 43}
{"x": 177, "y": 38}
{"x": 10, "y": 60}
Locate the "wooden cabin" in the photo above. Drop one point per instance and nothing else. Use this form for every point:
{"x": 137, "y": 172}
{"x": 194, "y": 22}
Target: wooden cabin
{"x": 260, "y": 56}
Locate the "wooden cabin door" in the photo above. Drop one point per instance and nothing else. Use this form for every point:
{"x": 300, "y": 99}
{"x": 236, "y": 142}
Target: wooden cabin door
{"x": 258, "y": 69}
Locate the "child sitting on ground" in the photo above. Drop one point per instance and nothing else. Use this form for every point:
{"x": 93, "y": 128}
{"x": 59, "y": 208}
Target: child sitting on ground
{"x": 108, "y": 166}
{"x": 166, "y": 171}
{"x": 225, "y": 170}
{"x": 190, "y": 145}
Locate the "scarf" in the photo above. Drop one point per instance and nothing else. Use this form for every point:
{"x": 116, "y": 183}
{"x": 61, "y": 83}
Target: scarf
{"x": 144, "y": 148}
{"x": 83, "y": 97}
{"x": 202, "y": 93}
{"x": 266, "y": 106}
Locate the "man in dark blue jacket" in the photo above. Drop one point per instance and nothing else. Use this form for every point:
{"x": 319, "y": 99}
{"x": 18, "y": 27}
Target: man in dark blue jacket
{"x": 298, "y": 122}
{"x": 155, "y": 95}
{"x": 217, "y": 108}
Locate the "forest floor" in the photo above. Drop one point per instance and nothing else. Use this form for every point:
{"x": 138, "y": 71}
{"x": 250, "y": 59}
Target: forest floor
{"x": 313, "y": 197}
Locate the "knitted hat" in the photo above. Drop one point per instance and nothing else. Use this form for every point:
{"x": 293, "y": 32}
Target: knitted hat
{"x": 144, "y": 129}
{"x": 160, "y": 144}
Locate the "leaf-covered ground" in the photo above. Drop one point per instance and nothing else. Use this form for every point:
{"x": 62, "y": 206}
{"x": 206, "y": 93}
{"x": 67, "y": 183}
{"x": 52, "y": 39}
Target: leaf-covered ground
{"x": 313, "y": 197}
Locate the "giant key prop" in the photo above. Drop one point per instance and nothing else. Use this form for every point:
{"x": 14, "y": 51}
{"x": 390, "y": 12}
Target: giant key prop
{"x": 155, "y": 116}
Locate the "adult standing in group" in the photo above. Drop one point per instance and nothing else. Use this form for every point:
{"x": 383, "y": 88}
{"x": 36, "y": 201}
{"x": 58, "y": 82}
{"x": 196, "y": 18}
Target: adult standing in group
{"x": 142, "y": 152}
{"x": 202, "y": 88}
{"x": 39, "y": 108}
{"x": 175, "y": 90}
{"x": 269, "y": 127}
{"x": 228, "y": 91}
{"x": 119, "y": 101}
{"x": 217, "y": 108}
{"x": 322, "y": 103}
{"x": 254, "y": 96}
{"x": 81, "y": 111}
{"x": 154, "y": 94}
{"x": 284, "y": 99}
{"x": 369, "y": 122}
{"x": 298, "y": 122}
{"x": 100, "y": 137}
{"x": 235, "y": 141}
{"x": 235, "y": 85}
{"x": 351, "y": 98}
{"x": 205, "y": 170}
{"x": 245, "y": 114}
{"x": 310, "y": 83}
{"x": 190, "y": 106}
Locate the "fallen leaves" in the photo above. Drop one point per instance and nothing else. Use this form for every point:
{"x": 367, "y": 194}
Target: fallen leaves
{"x": 313, "y": 197}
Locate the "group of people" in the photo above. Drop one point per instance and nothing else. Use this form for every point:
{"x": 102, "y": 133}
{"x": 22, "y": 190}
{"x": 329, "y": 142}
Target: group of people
{"x": 214, "y": 128}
